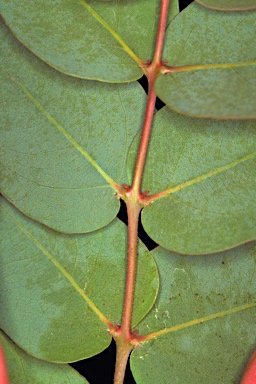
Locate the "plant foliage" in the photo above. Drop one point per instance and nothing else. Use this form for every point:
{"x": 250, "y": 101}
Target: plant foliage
{"x": 71, "y": 118}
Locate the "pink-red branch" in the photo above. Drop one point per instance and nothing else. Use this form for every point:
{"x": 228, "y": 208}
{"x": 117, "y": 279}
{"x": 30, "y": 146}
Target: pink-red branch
{"x": 152, "y": 71}
{"x": 3, "y": 368}
{"x": 133, "y": 196}
{"x": 249, "y": 376}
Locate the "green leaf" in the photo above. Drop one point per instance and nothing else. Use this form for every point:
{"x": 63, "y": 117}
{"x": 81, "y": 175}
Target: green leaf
{"x": 174, "y": 10}
{"x": 231, "y": 5}
{"x": 203, "y": 322}
{"x": 201, "y": 174}
{"x": 25, "y": 369}
{"x": 91, "y": 39}
{"x": 213, "y": 64}
{"x": 71, "y": 37}
{"x": 60, "y": 292}
{"x": 64, "y": 141}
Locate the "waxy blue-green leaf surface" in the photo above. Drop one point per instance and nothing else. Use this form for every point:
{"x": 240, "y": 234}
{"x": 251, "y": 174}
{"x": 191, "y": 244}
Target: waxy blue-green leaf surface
{"x": 216, "y": 53}
{"x": 93, "y": 40}
{"x": 232, "y": 5}
{"x": 59, "y": 292}
{"x": 70, "y": 38}
{"x": 205, "y": 170}
{"x": 25, "y": 369}
{"x": 208, "y": 351}
{"x": 64, "y": 141}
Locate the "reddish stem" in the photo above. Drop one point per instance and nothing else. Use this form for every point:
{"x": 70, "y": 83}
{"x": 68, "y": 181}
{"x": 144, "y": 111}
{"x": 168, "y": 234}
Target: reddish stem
{"x": 142, "y": 153}
{"x": 152, "y": 71}
{"x": 249, "y": 376}
{"x": 125, "y": 340}
{"x": 3, "y": 368}
{"x": 161, "y": 32}
{"x": 133, "y": 211}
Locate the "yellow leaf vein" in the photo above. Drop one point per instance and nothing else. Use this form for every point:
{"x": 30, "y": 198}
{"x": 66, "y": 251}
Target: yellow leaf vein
{"x": 61, "y": 269}
{"x": 65, "y": 133}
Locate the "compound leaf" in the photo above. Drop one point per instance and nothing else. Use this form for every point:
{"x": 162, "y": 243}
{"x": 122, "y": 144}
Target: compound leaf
{"x": 24, "y": 369}
{"x": 64, "y": 141}
{"x": 203, "y": 322}
{"x": 201, "y": 174}
{"x": 59, "y": 292}
{"x": 213, "y": 64}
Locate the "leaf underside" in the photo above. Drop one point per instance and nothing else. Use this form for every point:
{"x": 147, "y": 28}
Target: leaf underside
{"x": 208, "y": 351}
{"x": 64, "y": 141}
{"x": 92, "y": 40}
{"x": 232, "y": 5}
{"x": 68, "y": 37}
{"x": 215, "y": 51}
{"x": 78, "y": 44}
{"x": 219, "y": 44}
{"x": 205, "y": 170}
{"x": 55, "y": 288}
{"x": 24, "y": 369}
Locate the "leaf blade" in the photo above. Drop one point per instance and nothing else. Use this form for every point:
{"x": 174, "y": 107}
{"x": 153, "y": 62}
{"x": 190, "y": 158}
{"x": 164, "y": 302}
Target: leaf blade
{"x": 85, "y": 42}
{"x": 198, "y": 172}
{"x": 228, "y": 5}
{"x": 59, "y": 291}
{"x": 216, "y": 350}
{"x": 63, "y": 141}
{"x": 23, "y": 368}
{"x": 212, "y": 65}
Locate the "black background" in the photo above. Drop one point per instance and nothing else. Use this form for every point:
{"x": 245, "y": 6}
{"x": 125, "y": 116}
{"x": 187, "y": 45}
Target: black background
{"x": 99, "y": 369}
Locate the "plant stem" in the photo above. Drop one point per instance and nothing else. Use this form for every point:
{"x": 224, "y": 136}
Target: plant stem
{"x": 161, "y": 32}
{"x": 152, "y": 72}
{"x": 133, "y": 211}
{"x": 142, "y": 153}
{"x": 3, "y": 368}
{"x": 123, "y": 336}
{"x": 122, "y": 355}
{"x": 125, "y": 339}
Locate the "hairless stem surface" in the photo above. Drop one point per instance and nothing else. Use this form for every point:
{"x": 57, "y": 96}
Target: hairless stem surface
{"x": 125, "y": 339}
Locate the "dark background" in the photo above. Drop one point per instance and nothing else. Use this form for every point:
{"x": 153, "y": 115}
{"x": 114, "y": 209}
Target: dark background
{"x": 99, "y": 369}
